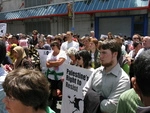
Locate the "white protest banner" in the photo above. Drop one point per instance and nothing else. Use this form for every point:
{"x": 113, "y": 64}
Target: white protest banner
{"x": 3, "y": 27}
{"x": 43, "y": 56}
{"x": 103, "y": 36}
{"x": 74, "y": 80}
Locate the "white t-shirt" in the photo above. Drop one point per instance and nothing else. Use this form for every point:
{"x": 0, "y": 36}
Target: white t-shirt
{"x": 56, "y": 71}
{"x": 23, "y": 43}
{"x": 65, "y": 45}
{"x": 91, "y": 69}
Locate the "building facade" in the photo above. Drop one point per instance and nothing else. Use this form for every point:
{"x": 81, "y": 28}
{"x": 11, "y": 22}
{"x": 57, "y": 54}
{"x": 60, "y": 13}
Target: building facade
{"x": 124, "y": 17}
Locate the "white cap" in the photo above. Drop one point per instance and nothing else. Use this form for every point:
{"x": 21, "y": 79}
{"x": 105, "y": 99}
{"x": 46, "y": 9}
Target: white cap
{"x": 51, "y": 36}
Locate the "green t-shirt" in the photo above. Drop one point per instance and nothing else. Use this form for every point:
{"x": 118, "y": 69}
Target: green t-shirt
{"x": 128, "y": 102}
{"x": 126, "y": 68}
{"x": 49, "y": 110}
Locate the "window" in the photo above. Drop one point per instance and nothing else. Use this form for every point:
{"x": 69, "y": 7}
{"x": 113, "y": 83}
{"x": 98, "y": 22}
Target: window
{"x": 139, "y": 24}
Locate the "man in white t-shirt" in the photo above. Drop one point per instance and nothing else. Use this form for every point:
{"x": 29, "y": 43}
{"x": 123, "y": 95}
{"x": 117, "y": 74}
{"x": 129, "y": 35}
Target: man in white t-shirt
{"x": 69, "y": 43}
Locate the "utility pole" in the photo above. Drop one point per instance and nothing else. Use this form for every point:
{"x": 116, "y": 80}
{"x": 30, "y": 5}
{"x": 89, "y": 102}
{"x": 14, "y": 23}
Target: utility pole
{"x": 73, "y": 17}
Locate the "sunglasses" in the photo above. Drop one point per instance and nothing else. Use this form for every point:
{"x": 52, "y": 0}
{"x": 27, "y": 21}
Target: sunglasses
{"x": 135, "y": 38}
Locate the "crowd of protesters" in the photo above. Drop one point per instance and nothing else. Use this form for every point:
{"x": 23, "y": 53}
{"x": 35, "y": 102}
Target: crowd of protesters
{"x": 83, "y": 51}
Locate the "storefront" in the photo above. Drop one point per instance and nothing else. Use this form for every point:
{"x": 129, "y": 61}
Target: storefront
{"x": 118, "y": 16}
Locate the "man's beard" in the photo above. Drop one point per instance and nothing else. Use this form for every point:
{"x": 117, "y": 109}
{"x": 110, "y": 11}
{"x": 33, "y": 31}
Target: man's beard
{"x": 107, "y": 64}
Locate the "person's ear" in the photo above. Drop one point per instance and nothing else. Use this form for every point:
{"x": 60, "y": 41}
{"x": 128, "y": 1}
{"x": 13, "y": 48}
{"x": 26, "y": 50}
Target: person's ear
{"x": 115, "y": 54}
{"x": 135, "y": 86}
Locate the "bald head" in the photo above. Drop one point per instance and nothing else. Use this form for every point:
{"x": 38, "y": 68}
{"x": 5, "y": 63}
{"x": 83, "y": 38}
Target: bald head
{"x": 146, "y": 42}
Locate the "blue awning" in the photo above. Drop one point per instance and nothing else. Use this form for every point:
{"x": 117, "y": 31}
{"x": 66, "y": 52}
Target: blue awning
{"x": 86, "y": 6}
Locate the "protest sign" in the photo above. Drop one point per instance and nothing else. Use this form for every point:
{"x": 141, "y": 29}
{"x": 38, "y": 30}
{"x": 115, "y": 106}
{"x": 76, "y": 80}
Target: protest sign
{"x": 43, "y": 56}
{"x": 74, "y": 80}
{"x": 3, "y": 27}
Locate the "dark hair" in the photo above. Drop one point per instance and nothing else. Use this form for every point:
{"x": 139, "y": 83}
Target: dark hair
{"x": 2, "y": 51}
{"x": 86, "y": 57}
{"x": 76, "y": 35}
{"x": 57, "y": 37}
{"x": 119, "y": 40}
{"x": 142, "y": 72}
{"x": 139, "y": 36}
{"x": 110, "y": 35}
{"x": 136, "y": 43}
{"x": 55, "y": 43}
{"x": 112, "y": 45}
{"x": 28, "y": 86}
{"x": 16, "y": 36}
{"x": 35, "y": 32}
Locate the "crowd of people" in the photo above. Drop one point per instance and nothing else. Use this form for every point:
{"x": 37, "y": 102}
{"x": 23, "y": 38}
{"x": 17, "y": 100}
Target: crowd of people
{"x": 119, "y": 79}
